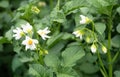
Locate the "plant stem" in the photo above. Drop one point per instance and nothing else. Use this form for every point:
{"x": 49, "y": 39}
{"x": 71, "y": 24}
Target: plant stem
{"x": 93, "y": 29}
{"x": 110, "y": 68}
{"x": 51, "y": 4}
{"x": 103, "y": 70}
{"x": 58, "y": 4}
{"x": 115, "y": 57}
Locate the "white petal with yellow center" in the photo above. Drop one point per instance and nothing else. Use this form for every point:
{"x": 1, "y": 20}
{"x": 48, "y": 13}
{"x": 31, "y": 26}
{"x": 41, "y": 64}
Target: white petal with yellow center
{"x": 43, "y": 33}
{"x": 84, "y": 20}
{"x": 27, "y": 28}
{"x": 30, "y": 43}
{"x": 78, "y": 33}
{"x": 18, "y": 33}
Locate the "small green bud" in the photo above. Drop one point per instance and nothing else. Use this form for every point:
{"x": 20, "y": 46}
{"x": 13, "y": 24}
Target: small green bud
{"x": 87, "y": 39}
{"x": 104, "y": 49}
{"x": 35, "y": 9}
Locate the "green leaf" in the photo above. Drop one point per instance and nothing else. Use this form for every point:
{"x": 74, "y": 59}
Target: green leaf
{"x": 101, "y": 6}
{"x": 38, "y": 70}
{"x": 112, "y": 2}
{"x": 1, "y": 47}
{"x": 98, "y": 3}
{"x": 54, "y": 39}
{"x": 67, "y": 72}
{"x": 17, "y": 48}
{"x": 64, "y": 75}
{"x": 57, "y": 47}
{"x": 116, "y": 41}
{"x": 88, "y": 68}
{"x": 84, "y": 10}
{"x": 57, "y": 16}
{"x": 118, "y": 28}
{"x": 16, "y": 63}
{"x": 20, "y": 22}
{"x": 3, "y": 40}
{"x": 43, "y": 23}
{"x": 100, "y": 27}
{"x": 17, "y": 16}
{"x": 118, "y": 10}
{"x": 67, "y": 36}
{"x": 26, "y": 56}
{"x": 4, "y": 4}
{"x": 117, "y": 73}
{"x": 91, "y": 58}
{"x": 9, "y": 34}
{"x": 52, "y": 60}
{"x": 73, "y": 5}
{"x": 71, "y": 54}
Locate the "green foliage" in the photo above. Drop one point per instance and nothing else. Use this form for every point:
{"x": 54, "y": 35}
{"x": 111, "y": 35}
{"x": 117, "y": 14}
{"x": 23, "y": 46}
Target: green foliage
{"x": 116, "y": 41}
{"x": 100, "y": 27}
{"x": 4, "y": 4}
{"x": 16, "y": 63}
{"x": 71, "y": 55}
{"x": 72, "y": 5}
{"x": 117, "y": 73}
{"x": 37, "y": 70}
{"x": 118, "y": 28}
{"x": 3, "y": 40}
{"x": 63, "y": 53}
{"x": 52, "y": 60}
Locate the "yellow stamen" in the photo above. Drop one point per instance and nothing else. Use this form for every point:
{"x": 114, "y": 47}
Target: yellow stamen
{"x": 29, "y": 30}
{"x": 21, "y": 33}
{"x": 30, "y": 42}
{"x": 42, "y": 33}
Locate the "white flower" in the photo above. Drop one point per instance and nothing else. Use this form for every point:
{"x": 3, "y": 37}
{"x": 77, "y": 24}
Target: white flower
{"x": 30, "y": 43}
{"x": 43, "y": 33}
{"x": 78, "y": 33}
{"x": 27, "y": 28}
{"x": 18, "y": 33}
{"x": 84, "y": 20}
{"x": 104, "y": 49}
{"x": 93, "y": 48}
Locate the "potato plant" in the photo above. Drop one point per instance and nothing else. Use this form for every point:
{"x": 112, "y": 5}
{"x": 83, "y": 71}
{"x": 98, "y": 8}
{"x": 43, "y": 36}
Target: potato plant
{"x": 61, "y": 38}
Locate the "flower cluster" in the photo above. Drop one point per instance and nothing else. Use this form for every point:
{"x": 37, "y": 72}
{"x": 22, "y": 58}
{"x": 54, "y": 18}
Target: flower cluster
{"x": 26, "y": 31}
{"x": 35, "y": 9}
{"x": 94, "y": 48}
{"x": 79, "y": 33}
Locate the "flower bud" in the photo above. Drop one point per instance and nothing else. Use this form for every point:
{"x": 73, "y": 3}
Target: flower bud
{"x": 45, "y": 52}
{"x": 104, "y": 49}
{"x": 87, "y": 39}
{"x": 42, "y": 4}
{"x": 93, "y": 48}
{"x": 35, "y": 9}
